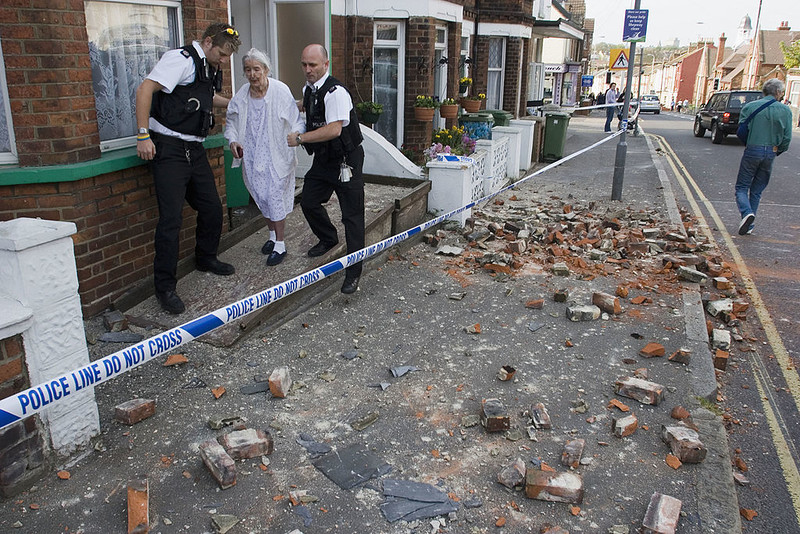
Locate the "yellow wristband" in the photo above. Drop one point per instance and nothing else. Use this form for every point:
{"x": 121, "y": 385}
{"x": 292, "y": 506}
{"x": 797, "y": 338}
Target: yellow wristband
{"x": 143, "y": 138}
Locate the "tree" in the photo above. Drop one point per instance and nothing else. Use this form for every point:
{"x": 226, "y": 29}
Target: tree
{"x": 791, "y": 54}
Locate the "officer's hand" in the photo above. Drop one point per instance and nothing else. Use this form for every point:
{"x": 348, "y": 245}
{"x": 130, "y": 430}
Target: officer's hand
{"x": 146, "y": 149}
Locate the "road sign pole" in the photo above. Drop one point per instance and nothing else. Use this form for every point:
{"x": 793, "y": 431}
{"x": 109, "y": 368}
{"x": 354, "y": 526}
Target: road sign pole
{"x": 622, "y": 145}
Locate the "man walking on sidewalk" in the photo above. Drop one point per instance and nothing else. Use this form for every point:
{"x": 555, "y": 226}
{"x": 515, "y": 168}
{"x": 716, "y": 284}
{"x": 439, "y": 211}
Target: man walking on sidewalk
{"x": 334, "y": 137}
{"x": 769, "y": 134}
{"x": 174, "y": 114}
{"x": 611, "y": 98}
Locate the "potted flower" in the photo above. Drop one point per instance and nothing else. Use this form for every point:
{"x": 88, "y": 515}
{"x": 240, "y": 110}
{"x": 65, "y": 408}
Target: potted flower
{"x": 464, "y": 84}
{"x": 369, "y": 112}
{"x": 448, "y": 108}
{"x": 424, "y": 108}
{"x": 471, "y": 104}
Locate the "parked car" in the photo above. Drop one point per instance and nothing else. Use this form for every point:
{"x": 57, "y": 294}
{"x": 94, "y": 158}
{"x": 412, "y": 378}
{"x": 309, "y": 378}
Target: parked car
{"x": 651, "y": 103}
{"x": 721, "y": 114}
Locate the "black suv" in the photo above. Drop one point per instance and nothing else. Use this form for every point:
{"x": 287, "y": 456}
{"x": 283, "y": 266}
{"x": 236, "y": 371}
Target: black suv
{"x": 721, "y": 114}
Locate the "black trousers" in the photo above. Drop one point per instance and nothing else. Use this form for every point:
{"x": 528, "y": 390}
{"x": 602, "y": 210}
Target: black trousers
{"x": 181, "y": 172}
{"x": 322, "y": 180}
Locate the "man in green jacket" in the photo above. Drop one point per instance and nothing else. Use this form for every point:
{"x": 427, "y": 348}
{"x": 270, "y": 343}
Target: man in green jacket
{"x": 770, "y": 132}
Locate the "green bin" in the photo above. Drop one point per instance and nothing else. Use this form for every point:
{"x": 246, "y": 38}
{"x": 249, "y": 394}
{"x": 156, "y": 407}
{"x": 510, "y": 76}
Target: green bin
{"x": 235, "y": 190}
{"x": 477, "y": 125}
{"x": 501, "y": 116}
{"x": 555, "y": 136}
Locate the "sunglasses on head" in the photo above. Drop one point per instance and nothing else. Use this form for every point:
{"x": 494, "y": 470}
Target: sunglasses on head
{"x": 230, "y": 31}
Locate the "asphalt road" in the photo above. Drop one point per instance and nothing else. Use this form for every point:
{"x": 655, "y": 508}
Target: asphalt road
{"x": 760, "y": 392}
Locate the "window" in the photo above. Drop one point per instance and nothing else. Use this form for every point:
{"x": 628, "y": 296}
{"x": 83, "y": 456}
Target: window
{"x": 126, "y": 40}
{"x": 387, "y": 78}
{"x": 494, "y": 84}
{"x": 8, "y": 148}
{"x": 463, "y": 63}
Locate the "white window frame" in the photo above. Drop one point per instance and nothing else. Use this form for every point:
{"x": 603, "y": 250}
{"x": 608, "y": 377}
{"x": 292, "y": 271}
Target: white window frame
{"x": 125, "y": 142}
{"x": 464, "y": 68}
{"x": 501, "y": 70}
{"x": 400, "y": 45}
{"x": 9, "y": 157}
{"x": 440, "y": 90}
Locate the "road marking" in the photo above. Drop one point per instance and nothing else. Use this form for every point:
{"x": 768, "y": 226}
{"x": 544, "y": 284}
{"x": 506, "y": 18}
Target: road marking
{"x": 777, "y": 429}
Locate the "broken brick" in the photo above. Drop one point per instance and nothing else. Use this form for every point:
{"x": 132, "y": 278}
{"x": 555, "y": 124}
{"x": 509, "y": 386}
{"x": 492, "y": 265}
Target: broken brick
{"x": 615, "y": 403}
{"x": 662, "y": 515}
{"x": 138, "y": 506}
{"x": 115, "y": 321}
{"x": 573, "y": 450}
{"x": 561, "y": 295}
{"x": 681, "y": 356}
{"x": 652, "y": 350}
{"x": 748, "y": 514}
{"x": 607, "y": 303}
{"x": 506, "y": 373}
{"x": 134, "y": 410}
{"x": 691, "y": 275}
{"x": 535, "y": 304}
{"x": 624, "y": 425}
{"x": 221, "y": 465}
{"x": 715, "y": 307}
{"x": 680, "y": 413}
{"x": 720, "y": 282}
{"x": 540, "y": 417}
{"x": 740, "y": 306}
{"x": 560, "y": 269}
{"x": 673, "y": 461}
{"x": 494, "y": 416}
{"x": 554, "y": 486}
{"x": 247, "y": 443}
{"x": 175, "y": 359}
{"x": 641, "y": 299}
{"x": 684, "y": 442}
{"x": 518, "y": 246}
{"x": 513, "y": 474}
{"x": 582, "y": 312}
{"x": 622, "y": 291}
{"x": 640, "y": 390}
{"x": 721, "y": 359}
{"x": 720, "y": 339}
{"x": 280, "y": 383}
{"x": 552, "y": 529}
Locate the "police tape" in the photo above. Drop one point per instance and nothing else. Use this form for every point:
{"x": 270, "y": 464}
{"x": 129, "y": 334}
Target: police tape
{"x": 26, "y": 403}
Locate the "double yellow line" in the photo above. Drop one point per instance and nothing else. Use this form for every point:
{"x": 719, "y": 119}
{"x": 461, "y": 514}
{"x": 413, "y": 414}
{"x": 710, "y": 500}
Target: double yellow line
{"x": 775, "y": 420}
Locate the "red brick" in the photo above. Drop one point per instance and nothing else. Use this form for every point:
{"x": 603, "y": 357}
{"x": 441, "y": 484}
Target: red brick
{"x": 138, "y": 506}
{"x": 662, "y": 515}
{"x": 553, "y": 486}
{"x": 12, "y": 346}
{"x": 247, "y": 443}
{"x": 653, "y": 350}
{"x": 607, "y": 303}
{"x": 134, "y": 410}
{"x": 641, "y": 390}
{"x": 280, "y": 383}
{"x": 684, "y": 442}
{"x": 221, "y": 465}
{"x": 10, "y": 369}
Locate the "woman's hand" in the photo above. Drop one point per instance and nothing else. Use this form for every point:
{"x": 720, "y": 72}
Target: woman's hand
{"x": 237, "y": 150}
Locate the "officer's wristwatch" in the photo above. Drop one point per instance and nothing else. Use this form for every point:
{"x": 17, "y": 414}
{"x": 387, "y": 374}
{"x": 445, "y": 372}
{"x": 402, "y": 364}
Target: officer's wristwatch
{"x": 143, "y": 131}
{"x": 299, "y": 139}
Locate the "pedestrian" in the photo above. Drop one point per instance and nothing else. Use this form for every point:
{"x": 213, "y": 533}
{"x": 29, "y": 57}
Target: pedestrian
{"x": 174, "y": 114}
{"x": 679, "y": 104}
{"x": 260, "y": 116}
{"x": 610, "y": 99}
{"x": 686, "y": 105}
{"x": 333, "y": 136}
{"x": 672, "y": 105}
{"x": 769, "y": 134}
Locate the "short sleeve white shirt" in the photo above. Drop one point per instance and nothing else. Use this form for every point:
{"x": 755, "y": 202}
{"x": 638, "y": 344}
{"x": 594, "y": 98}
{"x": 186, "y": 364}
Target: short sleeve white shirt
{"x": 337, "y": 103}
{"x": 174, "y": 69}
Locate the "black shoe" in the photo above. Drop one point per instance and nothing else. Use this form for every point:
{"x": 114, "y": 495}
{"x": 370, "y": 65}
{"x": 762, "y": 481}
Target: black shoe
{"x": 350, "y": 285}
{"x": 275, "y": 258}
{"x": 170, "y": 302}
{"x": 216, "y": 267}
{"x": 268, "y": 247}
{"x": 747, "y": 222}
{"x": 321, "y": 248}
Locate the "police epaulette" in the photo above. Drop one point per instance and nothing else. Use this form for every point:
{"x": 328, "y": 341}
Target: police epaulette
{"x": 186, "y": 53}
{"x": 333, "y": 88}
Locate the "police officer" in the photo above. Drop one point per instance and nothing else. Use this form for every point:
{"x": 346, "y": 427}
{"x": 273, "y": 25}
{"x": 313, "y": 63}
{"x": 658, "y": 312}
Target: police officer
{"x": 174, "y": 113}
{"x": 334, "y": 137}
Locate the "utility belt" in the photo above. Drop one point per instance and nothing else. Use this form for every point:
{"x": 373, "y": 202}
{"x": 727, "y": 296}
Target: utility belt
{"x": 176, "y": 141}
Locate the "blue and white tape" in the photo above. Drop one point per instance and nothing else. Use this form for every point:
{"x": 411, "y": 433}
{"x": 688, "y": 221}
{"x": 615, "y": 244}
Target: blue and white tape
{"x": 34, "y": 399}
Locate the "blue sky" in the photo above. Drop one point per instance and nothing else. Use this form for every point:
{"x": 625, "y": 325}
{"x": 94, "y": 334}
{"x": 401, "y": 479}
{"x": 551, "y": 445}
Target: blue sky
{"x": 689, "y": 20}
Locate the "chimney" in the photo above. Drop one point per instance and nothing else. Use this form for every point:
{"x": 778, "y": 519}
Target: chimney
{"x": 784, "y": 25}
{"x": 720, "y": 50}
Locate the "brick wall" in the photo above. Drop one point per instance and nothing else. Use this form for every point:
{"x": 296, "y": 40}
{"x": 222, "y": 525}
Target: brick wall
{"x": 511, "y": 87}
{"x": 115, "y": 215}
{"x": 21, "y": 444}
{"x": 46, "y": 53}
{"x": 420, "y": 39}
{"x": 49, "y": 77}
{"x": 351, "y": 55}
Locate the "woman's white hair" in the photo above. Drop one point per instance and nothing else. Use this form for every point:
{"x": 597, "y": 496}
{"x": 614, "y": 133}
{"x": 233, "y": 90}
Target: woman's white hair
{"x": 255, "y": 54}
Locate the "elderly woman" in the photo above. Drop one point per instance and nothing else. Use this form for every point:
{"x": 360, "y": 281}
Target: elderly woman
{"x": 259, "y": 117}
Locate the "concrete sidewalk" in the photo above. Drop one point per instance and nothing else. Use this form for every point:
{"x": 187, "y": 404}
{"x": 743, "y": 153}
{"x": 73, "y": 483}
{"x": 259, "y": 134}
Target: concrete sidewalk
{"x": 456, "y": 320}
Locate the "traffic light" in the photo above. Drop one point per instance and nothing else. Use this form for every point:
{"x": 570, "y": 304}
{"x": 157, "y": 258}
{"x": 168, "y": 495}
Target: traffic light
{"x": 716, "y": 84}
{"x": 608, "y": 77}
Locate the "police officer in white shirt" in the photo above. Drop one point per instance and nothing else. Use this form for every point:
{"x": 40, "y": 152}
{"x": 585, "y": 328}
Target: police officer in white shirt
{"x": 174, "y": 113}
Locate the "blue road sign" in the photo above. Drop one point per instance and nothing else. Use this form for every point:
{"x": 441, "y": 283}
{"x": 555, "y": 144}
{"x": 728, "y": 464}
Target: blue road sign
{"x": 587, "y": 81}
{"x": 635, "y": 29}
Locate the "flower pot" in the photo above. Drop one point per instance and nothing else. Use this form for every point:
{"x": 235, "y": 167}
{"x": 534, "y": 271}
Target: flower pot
{"x": 471, "y": 106}
{"x": 448, "y": 111}
{"x": 369, "y": 118}
{"x": 424, "y": 114}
